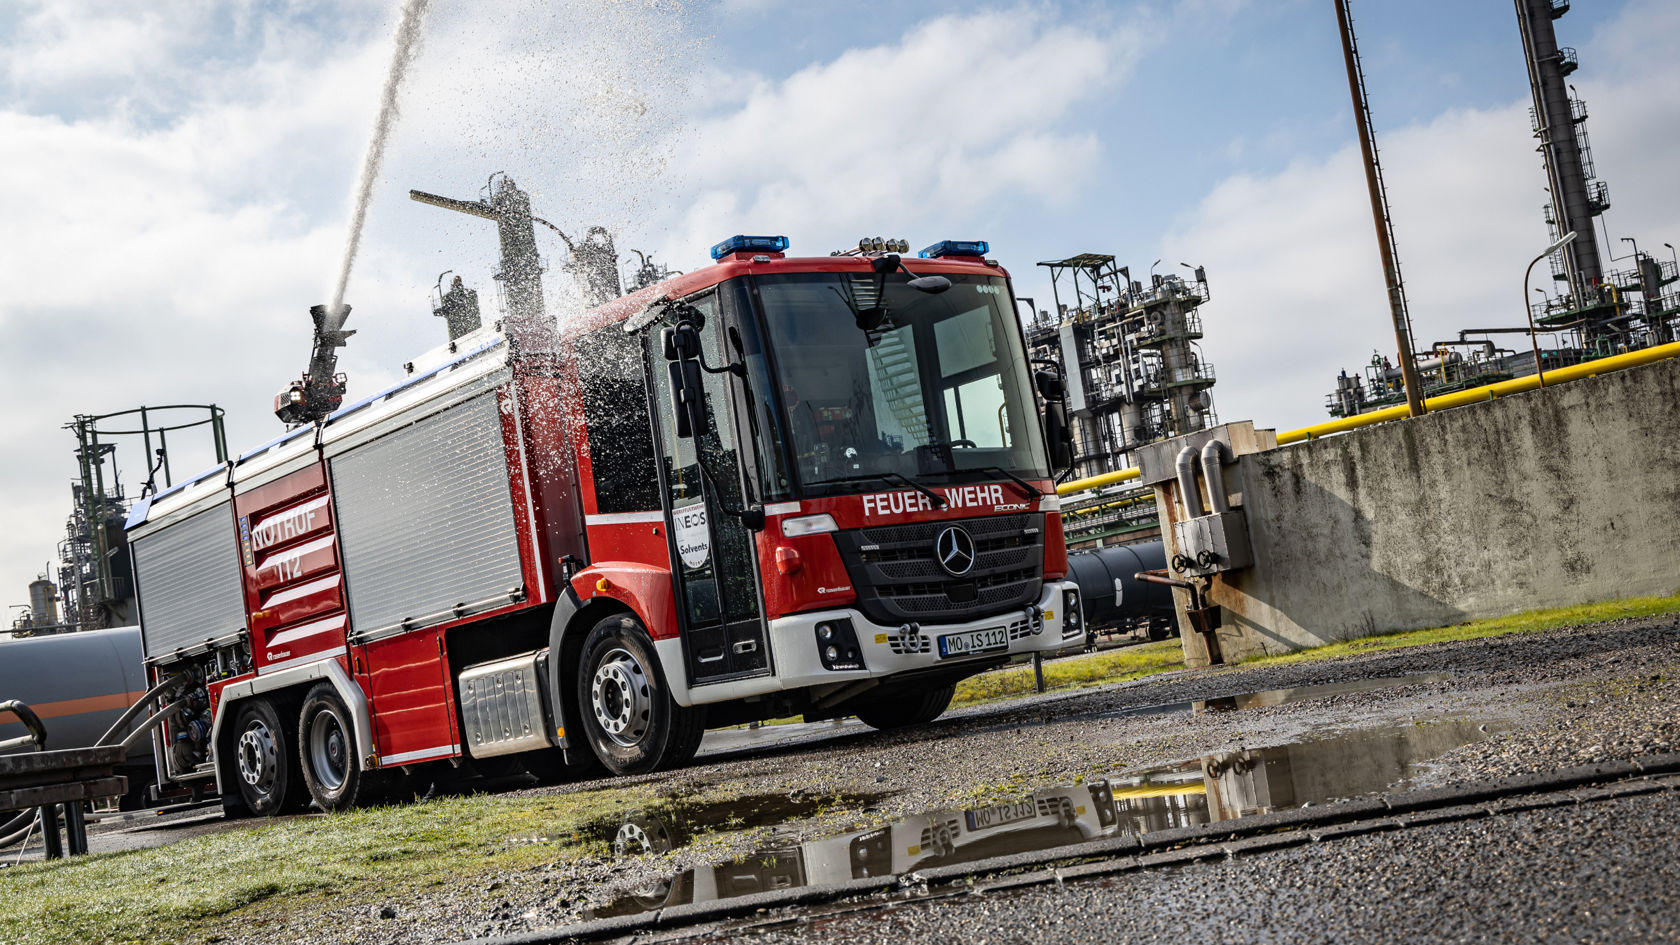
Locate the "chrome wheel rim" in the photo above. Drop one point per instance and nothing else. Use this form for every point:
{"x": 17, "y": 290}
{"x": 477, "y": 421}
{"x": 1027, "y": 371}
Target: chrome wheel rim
{"x": 259, "y": 759}
{"x": 621, "y": 698}
{"x": 329, "y": 750}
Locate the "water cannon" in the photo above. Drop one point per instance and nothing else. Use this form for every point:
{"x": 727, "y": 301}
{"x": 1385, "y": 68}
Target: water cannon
{"x": 320, "y": 390}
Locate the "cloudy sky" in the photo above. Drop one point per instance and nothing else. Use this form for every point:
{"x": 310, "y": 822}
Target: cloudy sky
{"x": 173, "y": 175}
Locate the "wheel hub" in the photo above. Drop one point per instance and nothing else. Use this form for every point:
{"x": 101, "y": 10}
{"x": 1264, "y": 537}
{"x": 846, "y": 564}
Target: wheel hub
{"x": 328, "y": 750}
{"x": 621, "y": 698}
{"x": 258, "y": 759}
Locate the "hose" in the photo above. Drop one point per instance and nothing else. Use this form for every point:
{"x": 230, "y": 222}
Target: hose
{"x": 37, "y": 732}
{"x": 146, "y": 727}
{"x": 23, "y": 824}
{"x": 127, "y": 718}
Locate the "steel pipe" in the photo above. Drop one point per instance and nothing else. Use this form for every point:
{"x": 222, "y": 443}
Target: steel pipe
{"x": 1214, "y": 453}
{"x": 1189, "y": 494}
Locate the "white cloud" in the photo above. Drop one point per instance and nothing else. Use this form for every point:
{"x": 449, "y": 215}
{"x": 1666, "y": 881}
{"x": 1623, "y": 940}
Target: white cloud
{"x": 916, "y": 136}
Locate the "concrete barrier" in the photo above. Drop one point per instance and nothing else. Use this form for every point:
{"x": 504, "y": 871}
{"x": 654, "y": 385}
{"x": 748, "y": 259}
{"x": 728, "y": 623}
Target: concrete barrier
{"x": 1548, "y": 498}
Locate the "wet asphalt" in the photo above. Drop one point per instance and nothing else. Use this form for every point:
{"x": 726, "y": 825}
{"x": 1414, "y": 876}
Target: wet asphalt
{"x": 1437, "y": 716}
{"x": 1597, "y": 872}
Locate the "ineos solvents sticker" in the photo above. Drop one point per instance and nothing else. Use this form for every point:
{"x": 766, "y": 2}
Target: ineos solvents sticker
{"x": 694, "y": 539}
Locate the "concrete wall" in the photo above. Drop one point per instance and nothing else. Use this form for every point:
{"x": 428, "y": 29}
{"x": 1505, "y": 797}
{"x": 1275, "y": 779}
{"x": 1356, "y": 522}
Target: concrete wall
{"x": 1549, "y": 498}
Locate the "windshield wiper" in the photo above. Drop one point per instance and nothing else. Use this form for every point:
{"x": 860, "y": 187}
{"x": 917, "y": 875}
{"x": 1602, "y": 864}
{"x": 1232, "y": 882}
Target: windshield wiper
{"x": 1031, "y": 491}
{"x": 939, "y": 501}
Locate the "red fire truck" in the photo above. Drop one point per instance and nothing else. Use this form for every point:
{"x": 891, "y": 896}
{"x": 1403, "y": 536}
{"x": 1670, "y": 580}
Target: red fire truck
{"x": 770, "y": 487}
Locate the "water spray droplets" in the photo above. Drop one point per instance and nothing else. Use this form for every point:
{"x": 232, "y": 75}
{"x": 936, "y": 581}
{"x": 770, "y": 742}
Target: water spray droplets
{"x": 405, "y": 47}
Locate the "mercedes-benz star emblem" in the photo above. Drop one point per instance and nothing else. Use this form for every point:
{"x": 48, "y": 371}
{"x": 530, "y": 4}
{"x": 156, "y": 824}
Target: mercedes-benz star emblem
{"x": 955, "y": 550}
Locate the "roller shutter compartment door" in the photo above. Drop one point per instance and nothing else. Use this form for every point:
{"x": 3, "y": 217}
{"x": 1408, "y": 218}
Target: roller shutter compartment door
{"x": 190, "y": 584}
{"x": 425, "y": 517}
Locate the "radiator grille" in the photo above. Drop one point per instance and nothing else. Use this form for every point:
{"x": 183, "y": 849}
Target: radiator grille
{"x": 899, "y": 580}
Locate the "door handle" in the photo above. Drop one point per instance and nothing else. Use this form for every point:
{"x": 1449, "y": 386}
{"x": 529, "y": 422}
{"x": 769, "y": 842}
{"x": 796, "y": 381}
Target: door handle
{"x": 746, "y": 646}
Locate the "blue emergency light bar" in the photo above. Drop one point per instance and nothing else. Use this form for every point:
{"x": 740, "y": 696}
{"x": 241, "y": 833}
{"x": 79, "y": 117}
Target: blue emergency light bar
{"x": 956, "y": 248}
{"x": 749, "y": 244}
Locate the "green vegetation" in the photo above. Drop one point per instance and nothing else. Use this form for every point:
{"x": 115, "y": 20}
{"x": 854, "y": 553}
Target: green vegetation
{"x": 1108, "y": 666}
{"x": 1527, "y": 622}
{"x": 383, "y": 854}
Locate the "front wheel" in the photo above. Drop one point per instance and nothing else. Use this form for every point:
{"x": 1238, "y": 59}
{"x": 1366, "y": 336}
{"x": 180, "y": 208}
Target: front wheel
{"x": 327, "y": 751}
{"x": 268, "y": 783}
{"x": 907, "y": 708}
{"x": 628, "y": 714}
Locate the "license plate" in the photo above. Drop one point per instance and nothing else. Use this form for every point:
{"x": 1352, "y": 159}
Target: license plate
{"x": 999, "y": 814}
{"x": 974, "y": 641}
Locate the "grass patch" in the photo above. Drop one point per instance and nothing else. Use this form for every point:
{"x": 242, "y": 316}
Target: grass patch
{"x": 1130, "y": 662}
{"x": 1531, "y": 621}
{"x": 180, "y": 892}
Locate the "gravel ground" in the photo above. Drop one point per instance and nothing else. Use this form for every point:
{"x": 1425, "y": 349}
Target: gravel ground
{"x": 1548, "y": 700}
{"x": 1601, "y": 872}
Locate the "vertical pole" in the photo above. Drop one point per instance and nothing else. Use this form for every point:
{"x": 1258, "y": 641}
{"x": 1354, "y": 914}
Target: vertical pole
{"x": 146, "y": 433}
{"x": 75, "y": 828}
{"x": 1038, "y": 671}
{"x": 1379, "y": 212}
{"x": 96, "y": 521}
{"x": 49, "y": 832}
{"x": 218, "y": 433}
{"x": 163, "y": 447}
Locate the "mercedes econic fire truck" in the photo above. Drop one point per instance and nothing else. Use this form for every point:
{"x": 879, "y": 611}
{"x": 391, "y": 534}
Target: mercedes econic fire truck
{"x": 771, "y": 487}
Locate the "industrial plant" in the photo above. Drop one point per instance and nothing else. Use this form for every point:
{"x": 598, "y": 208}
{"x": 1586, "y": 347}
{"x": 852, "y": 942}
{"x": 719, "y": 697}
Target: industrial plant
{"x": 1592, "y": 310}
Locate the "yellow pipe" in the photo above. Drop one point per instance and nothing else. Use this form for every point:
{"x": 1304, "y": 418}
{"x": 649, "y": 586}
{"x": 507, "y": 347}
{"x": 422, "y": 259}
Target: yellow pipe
{"x": 1488, "y": 392}
{"x": 1098, "y": 481}
{"x": 1456, "y": 399}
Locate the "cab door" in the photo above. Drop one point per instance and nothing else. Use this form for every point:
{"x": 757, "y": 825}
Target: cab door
{"x": 712, "y": 560}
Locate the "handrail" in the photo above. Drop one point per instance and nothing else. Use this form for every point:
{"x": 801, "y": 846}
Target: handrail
{"x": 1616, "y": 362}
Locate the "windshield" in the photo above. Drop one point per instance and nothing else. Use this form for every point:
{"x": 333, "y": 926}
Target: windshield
{"x": 938, "y": 393}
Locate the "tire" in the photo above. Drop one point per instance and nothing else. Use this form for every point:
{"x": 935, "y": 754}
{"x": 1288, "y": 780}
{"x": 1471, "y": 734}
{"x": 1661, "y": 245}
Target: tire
{"x": 268, "y": 780}
{"x": 907, "y": 708}
{"x": 628, "y": 715}
{"x": 327, "y": 753}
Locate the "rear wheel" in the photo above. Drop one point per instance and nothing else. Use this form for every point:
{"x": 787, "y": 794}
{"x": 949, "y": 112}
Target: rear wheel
{"x": 629, "y": 717}
{"x": 332, "y": 767}
{"x": 268, "y": 782}
{"x": 915, "y": 707}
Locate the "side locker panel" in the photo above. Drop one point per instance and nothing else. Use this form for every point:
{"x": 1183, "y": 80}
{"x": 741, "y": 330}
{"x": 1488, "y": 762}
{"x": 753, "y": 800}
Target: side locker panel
{"x": 552, "y": 475}
{"x": 294, "y": 586}
{"x": 427, "y": 527}
{"x": 189, "y": 582}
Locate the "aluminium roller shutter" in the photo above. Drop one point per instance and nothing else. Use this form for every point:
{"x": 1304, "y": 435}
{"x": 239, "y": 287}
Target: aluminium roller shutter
{"x": 425, "y": 517}
{"x": 191, "y": 589}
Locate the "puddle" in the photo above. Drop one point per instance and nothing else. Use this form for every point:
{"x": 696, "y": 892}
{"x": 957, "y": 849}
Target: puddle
{"x": 1267, "y": 698}
{"x": 1214, "y": 787}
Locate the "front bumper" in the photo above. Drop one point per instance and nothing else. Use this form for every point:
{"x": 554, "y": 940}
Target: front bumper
{"x": 888, "y": 651}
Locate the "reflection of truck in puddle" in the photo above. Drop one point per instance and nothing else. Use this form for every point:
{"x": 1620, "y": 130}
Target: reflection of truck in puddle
{"x": 1214, "y": 787}
{"x": 1049, "y": 818}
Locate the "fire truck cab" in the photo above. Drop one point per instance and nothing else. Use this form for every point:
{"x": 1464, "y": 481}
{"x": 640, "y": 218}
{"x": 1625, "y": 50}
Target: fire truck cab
{"x": 770, "y": 487}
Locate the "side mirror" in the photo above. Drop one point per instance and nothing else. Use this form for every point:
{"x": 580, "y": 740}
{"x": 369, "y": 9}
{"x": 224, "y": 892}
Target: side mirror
{"x": 1058, "y": 436}
{"x": 1050, "y": 385}
{"x": 686, "y": 397}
